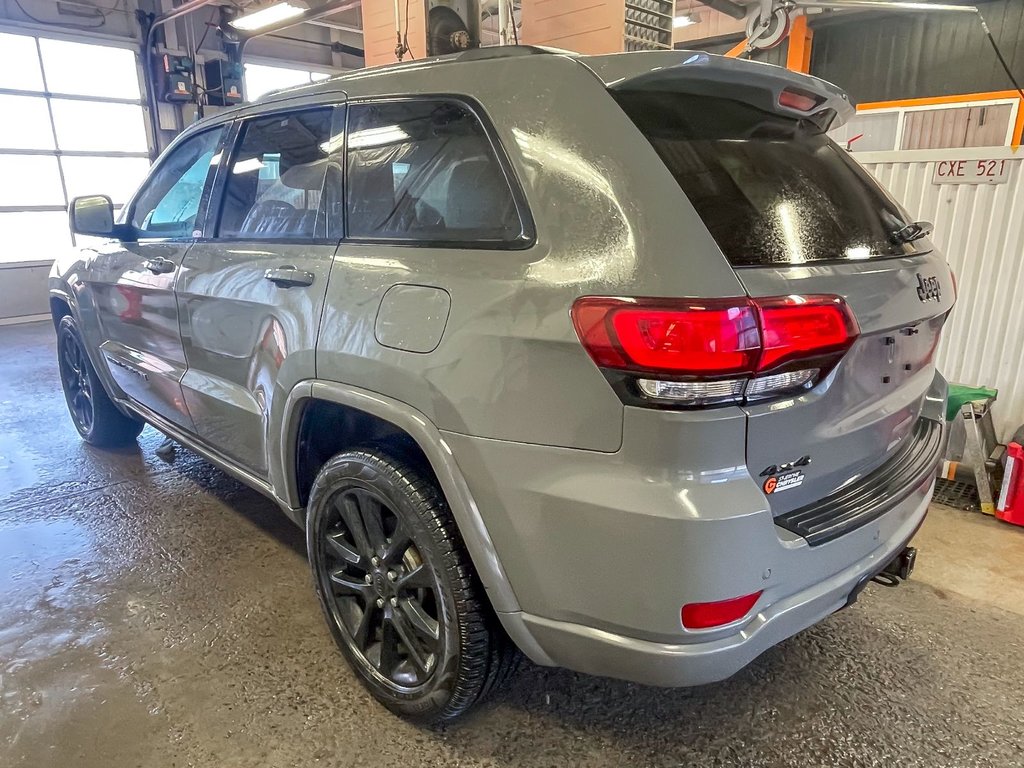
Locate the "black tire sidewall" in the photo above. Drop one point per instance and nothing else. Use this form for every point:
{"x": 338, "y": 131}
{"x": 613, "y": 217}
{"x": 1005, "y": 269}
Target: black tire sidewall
{"x": 378, "y": 473}
{"x": 68, "y": 328}
{"x": 110, "y": 427}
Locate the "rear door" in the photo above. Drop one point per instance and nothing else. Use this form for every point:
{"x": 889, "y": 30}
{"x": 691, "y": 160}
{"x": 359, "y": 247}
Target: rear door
{"x": 796, "y": 216}
{"x": 251, "y": 295}
{"x": 134, "y": 280}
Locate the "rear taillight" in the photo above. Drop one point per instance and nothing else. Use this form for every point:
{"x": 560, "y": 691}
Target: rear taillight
{"x": 695, "y": 337}
{"x": 703, "y": 351}
{"x": 798, "y": 327}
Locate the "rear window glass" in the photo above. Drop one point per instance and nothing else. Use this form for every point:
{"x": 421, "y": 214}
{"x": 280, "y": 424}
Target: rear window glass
{"x": 771, "y": 190}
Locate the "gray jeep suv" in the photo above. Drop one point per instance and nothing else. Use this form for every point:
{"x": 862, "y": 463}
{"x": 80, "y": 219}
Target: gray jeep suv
{"x": 615, "y": 360}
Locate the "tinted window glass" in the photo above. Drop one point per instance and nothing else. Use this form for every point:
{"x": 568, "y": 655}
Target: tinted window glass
{"x": 169, "y": 200}
{"x": 771, "y": 190}
{"x": 276, "y": 177}
{"x": 425, "y": 170}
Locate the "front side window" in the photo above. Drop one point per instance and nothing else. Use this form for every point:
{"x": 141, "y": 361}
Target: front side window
{"x": 168, "y": 204}
{"x": 426, "y": 171}
{"x": 276, "y": 179}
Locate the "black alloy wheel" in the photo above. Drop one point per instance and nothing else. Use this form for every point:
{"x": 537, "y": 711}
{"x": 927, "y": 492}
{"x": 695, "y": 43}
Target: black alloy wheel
{"x": 93, "y": 413}
{"x": 398, "y": 589}
{"x": 75, "y": 380}
{"x": 381, "y": 592}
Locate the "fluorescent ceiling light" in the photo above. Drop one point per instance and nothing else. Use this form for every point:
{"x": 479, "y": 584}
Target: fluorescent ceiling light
{"x": 272, "y": 14}
{"x": 683, "y": 21}
{"x": 247, "y": 166}
{"x": 377, "y": 137}
{"x": 333, "y": 144}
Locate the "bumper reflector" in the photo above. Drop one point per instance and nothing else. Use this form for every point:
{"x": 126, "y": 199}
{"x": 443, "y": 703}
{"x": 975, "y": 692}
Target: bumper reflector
{"x": 717, "y": 614}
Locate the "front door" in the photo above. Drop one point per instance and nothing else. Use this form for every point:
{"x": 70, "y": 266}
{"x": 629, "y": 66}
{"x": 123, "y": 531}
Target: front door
{"x": 133, "y": 280}
{"x": 251, "y": 297}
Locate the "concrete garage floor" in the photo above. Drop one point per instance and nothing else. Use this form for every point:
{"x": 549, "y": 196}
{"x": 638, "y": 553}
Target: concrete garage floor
{"x": 159, "y": 614}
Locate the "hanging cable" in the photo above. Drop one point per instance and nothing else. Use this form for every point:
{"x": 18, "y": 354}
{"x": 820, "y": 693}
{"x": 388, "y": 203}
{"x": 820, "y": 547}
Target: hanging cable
{"x": 999, "y": 55}
{"x": 405, "y": 40}
{"x": 209, "y": 25}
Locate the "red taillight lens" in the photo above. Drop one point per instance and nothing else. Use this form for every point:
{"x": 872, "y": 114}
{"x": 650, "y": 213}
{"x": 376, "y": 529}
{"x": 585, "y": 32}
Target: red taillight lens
{"x": 705, "y": 615}
{"x": 719, "y": 337}
{"x": 703, "y": 338}
{"x": 686, "y": 338}
{"x": 716, "y": 340}
{"x": 794, "y": 327}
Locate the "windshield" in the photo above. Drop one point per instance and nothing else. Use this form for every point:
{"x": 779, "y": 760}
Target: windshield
{"x": 770, "y": 189}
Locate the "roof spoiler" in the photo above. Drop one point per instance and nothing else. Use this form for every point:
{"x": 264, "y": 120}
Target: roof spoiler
{"x": 767, "y": 87}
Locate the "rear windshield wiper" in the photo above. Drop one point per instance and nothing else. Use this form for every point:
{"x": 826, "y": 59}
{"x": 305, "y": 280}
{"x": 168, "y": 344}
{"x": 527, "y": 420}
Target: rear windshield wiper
{"x": 912, "y": 232}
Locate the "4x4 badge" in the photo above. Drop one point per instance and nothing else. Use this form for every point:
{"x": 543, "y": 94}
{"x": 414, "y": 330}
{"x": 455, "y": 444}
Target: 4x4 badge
{"x": 928, "y": 288}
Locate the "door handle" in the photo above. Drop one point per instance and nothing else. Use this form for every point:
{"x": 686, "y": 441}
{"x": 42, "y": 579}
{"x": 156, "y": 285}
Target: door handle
{"x": 159, "y": 265}
{"x": 289, "y": 277}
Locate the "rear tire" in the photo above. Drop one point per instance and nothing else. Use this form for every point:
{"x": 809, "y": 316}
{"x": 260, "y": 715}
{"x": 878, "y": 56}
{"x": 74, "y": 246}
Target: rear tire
{"x": 94, "y": 415}
{"x": 398, "y": 589}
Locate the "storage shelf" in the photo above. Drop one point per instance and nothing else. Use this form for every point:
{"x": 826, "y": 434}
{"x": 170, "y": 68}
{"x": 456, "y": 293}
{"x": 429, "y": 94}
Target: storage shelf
{"x": 645, "y": 25}
{"x": 654, "y": 44}
{"x": 635, "y": 7}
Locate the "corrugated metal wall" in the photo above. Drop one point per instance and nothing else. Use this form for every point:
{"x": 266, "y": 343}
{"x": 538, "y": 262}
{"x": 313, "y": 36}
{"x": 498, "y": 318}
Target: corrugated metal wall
{"x": 906, "y": 55}
{"x": 981, "y": 230}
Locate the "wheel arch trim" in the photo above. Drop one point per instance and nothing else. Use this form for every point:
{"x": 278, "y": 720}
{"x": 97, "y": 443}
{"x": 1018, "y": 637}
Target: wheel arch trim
{"x": 429, "y": 439}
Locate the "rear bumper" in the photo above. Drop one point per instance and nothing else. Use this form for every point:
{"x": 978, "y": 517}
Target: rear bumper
{"x": 596, "y": 652}
{"x": 603, "y": 550}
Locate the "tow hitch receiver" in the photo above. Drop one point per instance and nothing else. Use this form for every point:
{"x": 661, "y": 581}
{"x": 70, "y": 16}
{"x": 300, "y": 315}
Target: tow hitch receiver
{"x": 898, "y": 569}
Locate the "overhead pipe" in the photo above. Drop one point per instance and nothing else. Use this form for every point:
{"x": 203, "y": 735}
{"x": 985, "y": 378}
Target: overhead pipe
{"x": 883, "y": 5}
{"x": 339, "y": 27}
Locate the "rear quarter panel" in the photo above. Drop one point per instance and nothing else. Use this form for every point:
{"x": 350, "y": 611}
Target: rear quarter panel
{"x": 609, "y": 219}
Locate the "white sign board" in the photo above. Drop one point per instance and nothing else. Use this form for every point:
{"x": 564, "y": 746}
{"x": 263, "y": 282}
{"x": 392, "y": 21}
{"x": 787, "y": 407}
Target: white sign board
{"x": 971, "y": 172}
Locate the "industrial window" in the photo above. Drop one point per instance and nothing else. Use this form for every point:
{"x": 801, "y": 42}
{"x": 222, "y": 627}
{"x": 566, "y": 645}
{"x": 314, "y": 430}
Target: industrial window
{"x": 951, "y": 126}
{"x": 75, "y": 134}
{"x": 168, "y": 204}
{"x": 426, "y": 171}
{"x": 981, "y": 122}
{"x": 276, "y": 179}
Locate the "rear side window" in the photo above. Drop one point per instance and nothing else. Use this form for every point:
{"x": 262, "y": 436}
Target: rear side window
{"x": 276, "y": 179}
{"x": 770, "y": 189}
{"x": 426, "y": 171}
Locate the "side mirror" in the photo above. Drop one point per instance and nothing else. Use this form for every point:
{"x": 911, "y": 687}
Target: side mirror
{"x": 92, "y": 215}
